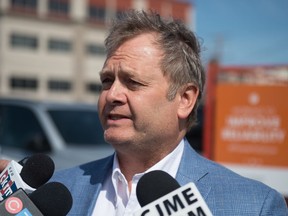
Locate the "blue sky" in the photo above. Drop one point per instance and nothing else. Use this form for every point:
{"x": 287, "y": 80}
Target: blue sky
{"x": 249, "y": 32}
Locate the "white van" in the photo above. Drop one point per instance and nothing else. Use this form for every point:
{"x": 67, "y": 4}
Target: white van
{"x": 70, "y": 134}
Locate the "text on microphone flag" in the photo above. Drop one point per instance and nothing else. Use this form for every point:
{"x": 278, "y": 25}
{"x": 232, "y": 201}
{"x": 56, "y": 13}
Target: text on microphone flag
{"x": 183, "y": 201}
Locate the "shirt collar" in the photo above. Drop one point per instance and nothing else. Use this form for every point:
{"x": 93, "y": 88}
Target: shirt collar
{"x": 169, "y": 164}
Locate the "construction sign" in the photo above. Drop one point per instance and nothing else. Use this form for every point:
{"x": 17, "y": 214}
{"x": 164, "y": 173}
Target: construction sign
{"x": 246, "y": 121}
{"x": 251, "y": 124}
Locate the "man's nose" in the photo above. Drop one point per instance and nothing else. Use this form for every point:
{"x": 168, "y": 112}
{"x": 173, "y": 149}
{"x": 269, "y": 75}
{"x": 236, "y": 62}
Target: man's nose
{"x": 116, "y": 94}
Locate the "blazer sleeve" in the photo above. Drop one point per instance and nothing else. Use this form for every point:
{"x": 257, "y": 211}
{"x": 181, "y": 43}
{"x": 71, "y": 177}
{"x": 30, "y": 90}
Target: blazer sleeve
{"x": 274, "y": 204}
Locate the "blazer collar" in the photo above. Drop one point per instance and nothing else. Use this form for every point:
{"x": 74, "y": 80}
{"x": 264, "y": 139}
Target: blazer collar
{"x": 92, "y": 179}
{"x": 192, "y": 169}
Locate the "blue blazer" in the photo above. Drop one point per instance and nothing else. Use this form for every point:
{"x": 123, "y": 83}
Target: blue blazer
{"x": 225, "y": 192}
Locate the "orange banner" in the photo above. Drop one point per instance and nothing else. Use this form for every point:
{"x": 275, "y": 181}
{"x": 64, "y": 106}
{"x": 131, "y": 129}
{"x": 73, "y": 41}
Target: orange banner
{"x": 251, "y": 125}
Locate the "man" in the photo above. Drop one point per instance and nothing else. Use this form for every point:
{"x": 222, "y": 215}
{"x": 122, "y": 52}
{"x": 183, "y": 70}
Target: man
{"x": 152, "y": 83}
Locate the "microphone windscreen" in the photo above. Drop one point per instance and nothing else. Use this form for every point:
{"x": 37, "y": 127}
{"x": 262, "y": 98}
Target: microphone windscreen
{"x": 153, "y": 185}
{"x": 52, "y": 199}
{"x": 37, "y": 170}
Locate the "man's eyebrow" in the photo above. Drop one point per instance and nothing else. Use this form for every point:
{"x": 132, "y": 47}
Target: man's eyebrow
{"x": 104, "y": 71}
{"x": 125, "y": 72}
{"x": 128, "y": 73}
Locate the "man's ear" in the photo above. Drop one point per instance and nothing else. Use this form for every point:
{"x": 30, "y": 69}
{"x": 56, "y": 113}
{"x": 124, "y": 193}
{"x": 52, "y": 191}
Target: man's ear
{"x": 188, "y": 96}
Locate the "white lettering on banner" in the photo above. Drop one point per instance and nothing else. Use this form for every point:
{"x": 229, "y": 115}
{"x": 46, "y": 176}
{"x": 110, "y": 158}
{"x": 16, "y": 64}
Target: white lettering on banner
{"x": 264, "y": 136}
{"x": 250, "y": 124}
{"x": 253, "y": 121}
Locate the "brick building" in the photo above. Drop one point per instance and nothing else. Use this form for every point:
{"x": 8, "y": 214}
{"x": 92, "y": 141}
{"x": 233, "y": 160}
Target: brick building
{"x": 53, "y": 49}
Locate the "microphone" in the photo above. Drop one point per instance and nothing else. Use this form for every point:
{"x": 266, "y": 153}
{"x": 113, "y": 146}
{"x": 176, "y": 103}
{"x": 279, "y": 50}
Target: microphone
{"x": 50, "y": 199}
{"x": 36, "y": 171}
{"x": 159, "y": 194}
{"x": 158, "y": 183}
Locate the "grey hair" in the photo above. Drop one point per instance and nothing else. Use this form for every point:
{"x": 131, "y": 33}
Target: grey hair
{"x": 181, "y": 60}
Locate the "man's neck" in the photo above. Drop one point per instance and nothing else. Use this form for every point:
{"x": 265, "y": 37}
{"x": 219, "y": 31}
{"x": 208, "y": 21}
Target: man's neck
{"x": 131, "y": 164}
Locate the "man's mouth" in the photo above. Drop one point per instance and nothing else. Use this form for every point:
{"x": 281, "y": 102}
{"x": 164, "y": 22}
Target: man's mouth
{"x": 116, "y": 117}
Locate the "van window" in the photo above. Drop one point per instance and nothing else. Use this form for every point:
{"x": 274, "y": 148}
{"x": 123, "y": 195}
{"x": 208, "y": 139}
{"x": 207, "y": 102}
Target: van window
{"x": 19, "y": 128}
{"x": 78, "y": 126}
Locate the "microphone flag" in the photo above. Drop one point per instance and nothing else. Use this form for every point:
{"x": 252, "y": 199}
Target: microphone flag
{"x": 184, "y": 201}
{"x": 19, "y": 204}
{"x": 10, "y": 180}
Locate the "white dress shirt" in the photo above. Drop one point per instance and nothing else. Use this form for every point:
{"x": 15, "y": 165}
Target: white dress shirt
{"x": 114, "y": 198}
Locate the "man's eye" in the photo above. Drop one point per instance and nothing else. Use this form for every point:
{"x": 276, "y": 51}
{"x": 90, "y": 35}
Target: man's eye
{"x": 107, "y": 80}
{"x": 106, "y": 83}
{"x": 133, "y": 83}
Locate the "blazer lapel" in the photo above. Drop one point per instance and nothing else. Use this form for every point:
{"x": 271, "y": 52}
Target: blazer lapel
{"x": 88, "y": 188}
{"x": 192, "y": 169}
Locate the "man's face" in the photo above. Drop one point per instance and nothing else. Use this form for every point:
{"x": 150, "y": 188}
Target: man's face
{"x": 133, "y": 105}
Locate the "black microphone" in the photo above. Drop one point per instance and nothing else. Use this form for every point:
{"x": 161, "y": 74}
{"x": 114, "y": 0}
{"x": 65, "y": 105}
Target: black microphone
{"x": 51, "y": 199}
{"x": 159, "y": 194}
{"x": 36, "y": 171}
{"x": 153, "y": 185}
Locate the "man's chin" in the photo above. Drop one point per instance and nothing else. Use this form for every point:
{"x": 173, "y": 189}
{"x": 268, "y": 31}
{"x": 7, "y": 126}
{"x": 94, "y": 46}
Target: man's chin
{"x": 115, "y": 140}
{"x": 116, "y": 135}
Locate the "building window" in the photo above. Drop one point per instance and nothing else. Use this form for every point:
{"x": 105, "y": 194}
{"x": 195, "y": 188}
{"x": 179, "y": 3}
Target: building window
{"x": 59, "y": 45}
{"x": 56, "y": 85}
{"x": 94, "y": 87}
{"x": 97, "y": 13}
{"x": 24, "y": 5}
{"x": 23, "y": 83}
{"x": 59, "y": 7}
{"x": 23, "y": 41}
{"x": 95, "y": 49}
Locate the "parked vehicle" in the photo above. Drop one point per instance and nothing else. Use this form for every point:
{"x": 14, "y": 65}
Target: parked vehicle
{"x": 70, "y": 134}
